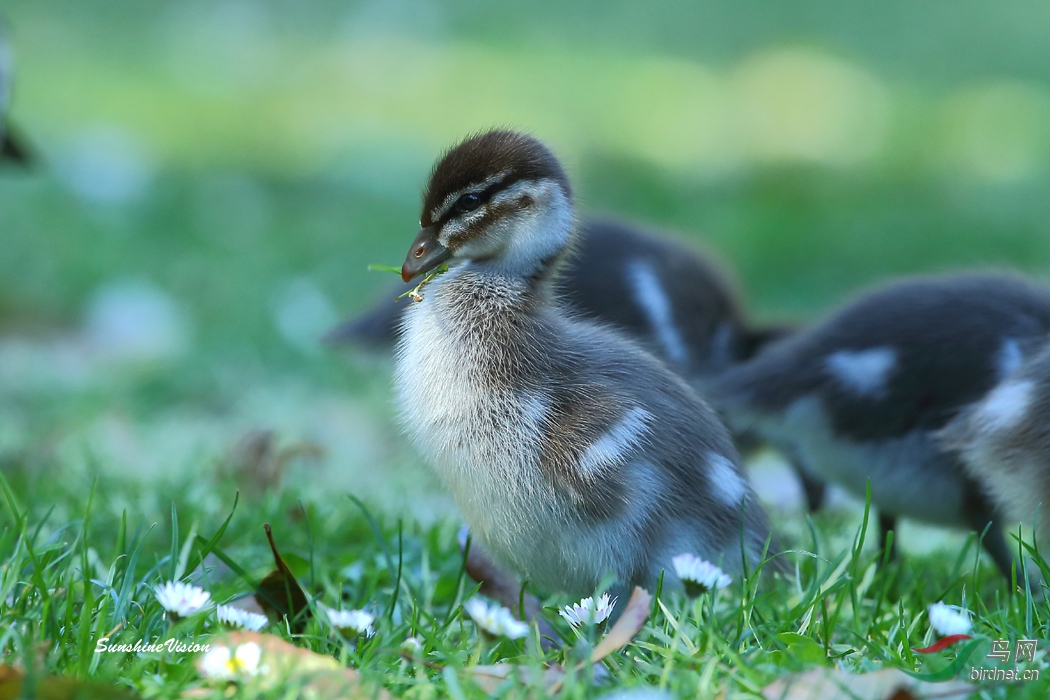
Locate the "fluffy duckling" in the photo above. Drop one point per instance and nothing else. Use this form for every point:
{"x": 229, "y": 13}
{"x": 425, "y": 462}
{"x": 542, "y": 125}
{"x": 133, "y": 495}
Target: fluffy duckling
{"x": 571, "y": 451}
{"x": 1004, "y": 443}
{"x": 862, "y": 395}
{"x": 10, "y": 148}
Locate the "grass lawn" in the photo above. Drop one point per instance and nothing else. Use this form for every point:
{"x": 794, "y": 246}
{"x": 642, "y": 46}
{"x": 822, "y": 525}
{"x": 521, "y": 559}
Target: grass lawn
{"x": 214, "y": 180}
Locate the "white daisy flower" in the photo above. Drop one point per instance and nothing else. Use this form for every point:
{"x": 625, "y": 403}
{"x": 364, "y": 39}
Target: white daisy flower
{"x": 947, "y": 620}
{"x": 182, "y": 599}
{"x": 589, "y": 612}
{"x": 220, "y": 663}
{"x": 356, "y": 621}
{"x": 241, "y": 618}
{"x": 495, "y": 620}
{"x": 699, "y": 576}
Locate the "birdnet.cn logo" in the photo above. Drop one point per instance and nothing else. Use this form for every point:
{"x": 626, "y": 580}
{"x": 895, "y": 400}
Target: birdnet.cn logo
{"x": 1023, "y": 651}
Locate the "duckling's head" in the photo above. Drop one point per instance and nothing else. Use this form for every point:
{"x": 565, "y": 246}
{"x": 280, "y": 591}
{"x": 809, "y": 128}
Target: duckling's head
{"x": 500, "y": 198}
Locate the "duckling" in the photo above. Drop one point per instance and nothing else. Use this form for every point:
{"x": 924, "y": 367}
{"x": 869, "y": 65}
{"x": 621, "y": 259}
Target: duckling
{"x": 571, "y": 451}
{"x": 10, "y": 147}
{"x": 862, "y": 395}
{"x": 1004, "y": 443}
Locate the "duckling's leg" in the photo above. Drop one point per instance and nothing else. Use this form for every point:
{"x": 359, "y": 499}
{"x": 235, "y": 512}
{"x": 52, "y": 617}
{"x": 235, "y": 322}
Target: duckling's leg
{"x": 981, "y": 516}
{"x": 888, "y": 524}
{"x": 813, "y": 488}
{"x": 501, "y": 585}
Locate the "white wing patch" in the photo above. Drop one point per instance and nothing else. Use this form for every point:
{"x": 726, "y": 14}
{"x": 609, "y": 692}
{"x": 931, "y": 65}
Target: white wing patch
{"x": 1006, "y": 405}
{"x": 616, "y": 444}
{"x": 727, "y": 484}
{"x": 864, "y": 372}
{"x": 534, "y": 408}
{"x": 656, "y": 305}
{"x": 1010, "y": 358}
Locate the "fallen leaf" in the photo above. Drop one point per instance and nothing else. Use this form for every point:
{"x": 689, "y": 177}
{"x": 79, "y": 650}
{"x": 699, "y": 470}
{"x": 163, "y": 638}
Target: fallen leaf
{"x": 489, "y": 678}
{"x": 630, "y": 622}
{"x": 279, "y": 590}
{"x": 257, "y": 462}
{"x": 59, "y": 688}
{"x": 884, "y": 684}
{"x": 314, "y": 675}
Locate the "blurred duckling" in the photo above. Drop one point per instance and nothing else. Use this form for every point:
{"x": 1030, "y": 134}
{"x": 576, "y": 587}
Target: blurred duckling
{"x": 11, "y": 148}
{"x": 571, "y": 451}
{"x": 1004, "y": 443}
{"x": 862, "y": 395}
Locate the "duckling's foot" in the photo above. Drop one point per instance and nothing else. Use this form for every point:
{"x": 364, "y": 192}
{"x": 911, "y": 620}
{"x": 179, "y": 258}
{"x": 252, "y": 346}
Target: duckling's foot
{"x": 888, "y": 529}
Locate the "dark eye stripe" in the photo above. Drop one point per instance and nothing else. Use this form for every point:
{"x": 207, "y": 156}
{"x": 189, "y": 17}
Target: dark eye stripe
{"x": 478, "y": 227}
{"x": 484, "y": 196}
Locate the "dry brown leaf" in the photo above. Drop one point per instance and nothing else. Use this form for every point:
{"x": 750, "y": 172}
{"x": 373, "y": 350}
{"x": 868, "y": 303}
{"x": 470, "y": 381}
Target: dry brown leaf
{"x": 257, "y": 462}
{"x": 279, "y": 589}
{"x": 630, "y": 622}
{"x": 884, "y": 684}
{"x": 322, "y": 677}
{"x": 489, "y": 678}
{"x": 60, "y": 688}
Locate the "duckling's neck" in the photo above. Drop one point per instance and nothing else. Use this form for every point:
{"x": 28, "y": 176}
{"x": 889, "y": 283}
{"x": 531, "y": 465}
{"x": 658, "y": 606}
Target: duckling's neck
{"x": 478, "y": 294}
{"x": 533, "y": 280}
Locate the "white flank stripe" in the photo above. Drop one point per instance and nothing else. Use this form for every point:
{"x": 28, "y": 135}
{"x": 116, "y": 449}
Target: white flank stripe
{"x": 865, "y": 371}
{"x": 657, "y": 307}
{"x": 616, "y": 444}
{"x": 1010, "y": 358}
{"x": 725, "y": 481}
{"x": 1006, "y": 404}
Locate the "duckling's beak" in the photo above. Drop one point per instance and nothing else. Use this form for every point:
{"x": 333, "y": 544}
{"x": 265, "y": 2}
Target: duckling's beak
{"x": 425, "y": 254}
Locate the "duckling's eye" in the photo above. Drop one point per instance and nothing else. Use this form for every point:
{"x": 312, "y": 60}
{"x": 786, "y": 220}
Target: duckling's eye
{"x": 468, "y": 202}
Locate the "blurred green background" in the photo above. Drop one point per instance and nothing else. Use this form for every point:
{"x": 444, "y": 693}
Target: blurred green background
{"x": 215, "y": 177}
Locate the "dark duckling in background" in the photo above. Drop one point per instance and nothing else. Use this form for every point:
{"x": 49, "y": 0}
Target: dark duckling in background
{"x": 863, "y": 395}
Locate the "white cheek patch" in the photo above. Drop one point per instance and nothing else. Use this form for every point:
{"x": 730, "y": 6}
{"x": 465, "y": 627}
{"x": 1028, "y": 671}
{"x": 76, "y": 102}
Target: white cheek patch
{"x": 656, "y": 305}
{"x": 726, "y": 483}
{"x": 1006, "y": 405}
{"x": 865, "y": 372}
{"x": 437, "y": 212}
{"x": 454, "y": 228}
{"x": 1010, "y": 358}
{"x": 616, "y": 445}
{"x": 535, "y": 233}
{"x": 450, "y": 229}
